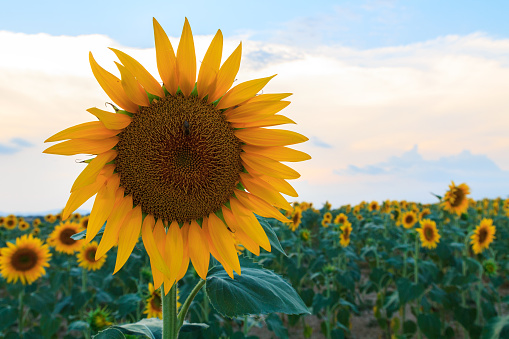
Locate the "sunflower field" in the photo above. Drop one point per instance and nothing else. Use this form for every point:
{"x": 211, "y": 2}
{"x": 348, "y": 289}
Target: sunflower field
{"x": 395, "y": 269}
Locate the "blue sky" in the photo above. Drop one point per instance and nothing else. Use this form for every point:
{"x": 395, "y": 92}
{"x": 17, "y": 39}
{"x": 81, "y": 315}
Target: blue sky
{"x": 398, "y": 98}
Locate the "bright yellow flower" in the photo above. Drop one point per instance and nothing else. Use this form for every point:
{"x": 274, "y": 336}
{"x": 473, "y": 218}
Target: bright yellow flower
{"x": 408, "y": 219}
{"x": 61, "y": 239}
{"x": 296, "y": 219}
{"x": 483, "y": 236}
{"x": 10, "y": 222}
{"x": 157, "y": 169}
{"x": 373, "y": 206}
{"x": 455, "y": 199}
{"x": 344, "y": 236}
{"x": 428, "y": 233}
{"x": 23, "y": 225}
{"x": 86, "y": 257}
{"x": 340, "y": 219}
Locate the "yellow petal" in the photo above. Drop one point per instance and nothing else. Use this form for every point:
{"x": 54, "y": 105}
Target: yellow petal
{"x": 278, "y": 153}
{"x": 226, "y": 75}
{"x": 82, "y": 146}
{"x": 261, "y": 189}
{"x": 186, "y": 61}
{"x": 198, "y": 250}
{"x": 174, "y": 249}
{"x": 103, "y": 205}
{"x": 141, "y": 74}
{"x": 112, "y": 86}
{"x": 166, "y": 61}
{"x": 210, "y": 65}
{"x": 255, "y": 111}
{"x": 242, "y": 92}
{"x": 269, "y": 137}
{"x": 122, "y": 211}
{"x": 156, "y": 274}
{"x": 244, "y": 239}
{"x": 89, "y": 130}
{"x": 132, "y": 88}
{"x": 223, "y": 242}
{"x": 280, "y": 185}
{"x": 268, "y": 166}
{"x": 213, "y": 249}
{"x": 185, "y": 253}
{"x": 128, "y": 237}
{"x": 274, "y": 120}
{"x": 80, "y": 196}
{"x": 269, "y": 97}
{"x": 89, "y": 174}
{"x": 152, "y": 250}
{"x": 249, "y": 224}
{"x": 259, "y": 206}
{"x": 111, "y": 120}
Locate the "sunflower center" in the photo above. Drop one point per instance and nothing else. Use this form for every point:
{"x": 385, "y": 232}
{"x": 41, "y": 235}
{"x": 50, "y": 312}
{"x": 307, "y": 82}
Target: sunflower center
{"x": 483, "y": 234}
{"x": 65, "y": 236}
{"x": 459, "y": 196}
{"x": 179, "y": 159}
{"x": 429, "y": 234}
{"x": 90, "y": 254}
{"x": 409, "y": 219}
{"x": 155, "y": 303}
{"x": 24, "y": 259}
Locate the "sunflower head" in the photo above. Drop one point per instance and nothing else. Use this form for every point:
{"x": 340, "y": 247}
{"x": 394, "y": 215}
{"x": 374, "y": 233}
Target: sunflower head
{"x": 327, "y": 206}
{"x": 428, "y": 233}
{"x": 296, "y": 219}
{"x": 84, "y": 222}
{"x": 23, "y": 225}
{"x": 36, "y": 222}
{"x": 455, "y": 199}
{"x": 99, "y": 319}
{"x": 25, "y": 261}
{"x": 346, "y": 231}
{"x": 2, "y": 221}
{"x": 305, "y": 235}
{"x": 61, "y": 237}
{"x": 374, "y": 206}
{"x": 190, "y": 161}
{"x": 340, "y": 219}
{"x": 36, "y": 231}
{"x": 408, "y": 219}
{"x": 424, "y": 213}
{"x": 483, "y": 236}
{"x": 50, "y": 218}
{"x": 10, "y": 222}
{"x": 86, "y": 257}
{"x": 153, "y": 302}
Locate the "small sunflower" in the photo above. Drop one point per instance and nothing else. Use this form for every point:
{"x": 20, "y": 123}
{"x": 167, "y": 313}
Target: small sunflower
{"x": 86, "y": 257}
{"x": 99, "y": 319}
{"x": 328, "y": 216}
{"x": 408, "y": 219}
{"x": 359, "y": 217}
{"x": 36, "y": 231}
{"x": 50, "y": 218}
{"x": 374, "y": 206}
{"x": 325, "y": 223}
{"x": 344, "y": 237}
{"x": 483, "y": 236}
{"x": 23, "y": 225}
{"x": 340, "y": 219}
{"x": 157, "y": 168}
{"x": 153, "y": 308}
{"x": 2, "y": 221}
{"x": 424, "y": 213}
{"x": 296, "y": 219}
{"x": 25, "y": 260}
{"x": 428, "y": 233}
{"x": 84, "y": 222}
{"x": 11, "y": 222}
{"x": 61, "y": 239}
{"x": 76, "y": 216}
{"x": 305, "y": 235}
{"x": 36, "y": 222}
{"x": 455, "y": 199}
{"x": 327, "y": 206}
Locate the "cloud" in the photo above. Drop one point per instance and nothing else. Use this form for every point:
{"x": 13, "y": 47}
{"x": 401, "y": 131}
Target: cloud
{"x": 359, "y": 107}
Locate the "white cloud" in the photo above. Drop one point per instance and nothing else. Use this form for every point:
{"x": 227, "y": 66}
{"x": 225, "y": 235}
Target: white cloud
{"x": 446, "y": 95}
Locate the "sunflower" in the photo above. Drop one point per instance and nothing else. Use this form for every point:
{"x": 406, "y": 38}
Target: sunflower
{"x": 408, "y": 219}
{"x": 153, "y": 306}
{"x": 428, "y": 233}
{"x": 340, "y": 219}
{"x": 305, "y": 235}
{"x": 373, "y": 206}
{"x": 61, "y": 239}
{"x": 327, "y": 206}
{"x": 99, "y": 319}
{"x": 36, "y": 222}
{"x": 10, "y": 222}
{"x": 25, "y": 260}
{"x": 86, "y": 257}
{"x": 2, "y": 221}
{"x": 327, "y": 216}
{"x": 157, "y": 168}
{"x": 36, "y": 231}
{"x": 344, "y": 237}
{"x": 84, "y": 222}
{"x": 424, "y": 213}
{"x": 455, "y": 199}
{"x": 296, "y": 219}
{"x": 325, "y": 222}
{"x": 23, "y": 225}
{"x": 359, "y": 217}
{"x": 483, "y": 236}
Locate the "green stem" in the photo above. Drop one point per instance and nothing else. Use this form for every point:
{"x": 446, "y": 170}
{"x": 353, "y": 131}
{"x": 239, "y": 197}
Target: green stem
{"x": 185, "y": 307}
{"x": 416, "y": 278}
{"x": 478, "y": 299}
{"x": 246, "y": 328}
{"x": 405, "y": 256}
{"x": 83, "y": 279}
{"x": 21, "y": 314}
{"x": 170, "y": 327}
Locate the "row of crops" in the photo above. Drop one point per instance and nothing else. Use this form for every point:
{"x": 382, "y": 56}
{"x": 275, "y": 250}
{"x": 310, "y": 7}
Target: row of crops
{"x": 415, "y": 271}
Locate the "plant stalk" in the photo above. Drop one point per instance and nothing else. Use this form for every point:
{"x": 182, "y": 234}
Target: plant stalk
{"x": 170, "y": 326}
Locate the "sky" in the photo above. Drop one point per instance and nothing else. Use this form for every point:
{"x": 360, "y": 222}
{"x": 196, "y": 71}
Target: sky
{"x": 398, "y": 98}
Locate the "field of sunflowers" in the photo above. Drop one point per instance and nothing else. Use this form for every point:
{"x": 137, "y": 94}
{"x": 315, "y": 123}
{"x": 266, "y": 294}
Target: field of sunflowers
{"x": 392, "y": 269}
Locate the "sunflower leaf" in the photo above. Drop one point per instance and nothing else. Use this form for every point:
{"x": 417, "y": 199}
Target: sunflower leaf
{"x": 256, "y": 291}
{"x": 109, "y": 333}
{"x": 274, "y": 241}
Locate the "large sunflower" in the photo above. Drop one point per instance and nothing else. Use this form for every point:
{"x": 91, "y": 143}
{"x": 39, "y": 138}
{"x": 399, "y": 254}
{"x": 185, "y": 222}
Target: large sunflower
{"x": 187, "y": 163}
{"x": 61, "y": 239}
{"x": 483, "y": 236}
{"x": 86, "y": 257}
{"x": 428, "y": 233}
{"x": 455, "y": 199}
{"x": 25, "y": 260}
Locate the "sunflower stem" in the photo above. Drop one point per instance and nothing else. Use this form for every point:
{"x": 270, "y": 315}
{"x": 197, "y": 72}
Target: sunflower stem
{"x": 83, "y": 279}
{"x": 170, "y": 325}
{"x": 21, "y": 311}
{"x": 185, "y": 307}
{"x": 416, "y": 279}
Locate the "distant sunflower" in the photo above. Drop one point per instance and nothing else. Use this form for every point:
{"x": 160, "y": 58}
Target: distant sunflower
{"x": 328, "y": 216}
{"x": 374, "y": 206}
{"x": 50, "y": 218}
{"x": 483, "y": 236}
{"x": 340, "y": 219}
{"x": 408, "y": 219}
{"x": 327, "y": 206}
{"x": 11, "y": 222}
{"x": 86, "y": 257}
{"x": 25, "y": 260}
{"x": 424, "y": 213}
{"x": 359, "y": 217}
{"x": 305, "y": 235}
{"x": 84, "y": 222}
{"x": 2, "y": 221}
{"x": 296, "y": 219}
{"x": 99, "y": 319}
{"x": 346, "y": 231}
{"x": 36, "y": 231}
{"x": 157, "y": 160}
{"x": 76, "y": 216}
{"x": 455, "y": 199}
{"x": 23, "y": 225}
{"x": 153, "y": 307}
{"x": 428, "y": 233}
{"x": 61, "y": 237}
{"x": 36, "y": 222}
{"x": 325, "y": 222}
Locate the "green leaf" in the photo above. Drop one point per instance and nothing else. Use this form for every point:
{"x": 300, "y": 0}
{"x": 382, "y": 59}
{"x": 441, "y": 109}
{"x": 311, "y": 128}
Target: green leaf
{"x": 275, "y": 325}
{"x": 151, "y": 328}
{"x": 274, "y": 241}
{"x": 109, "y": 333}
{"x": 128, "y": 303}
{"x": 256, "y": 291}
{"x": 408, "y": 290}
{"x": 78, "y": 325}
{"x": 497, "y": 327}
{"x": 8, "y": 315}
{"x": 429, "y": 324}
{"x": 193, "y": 327}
